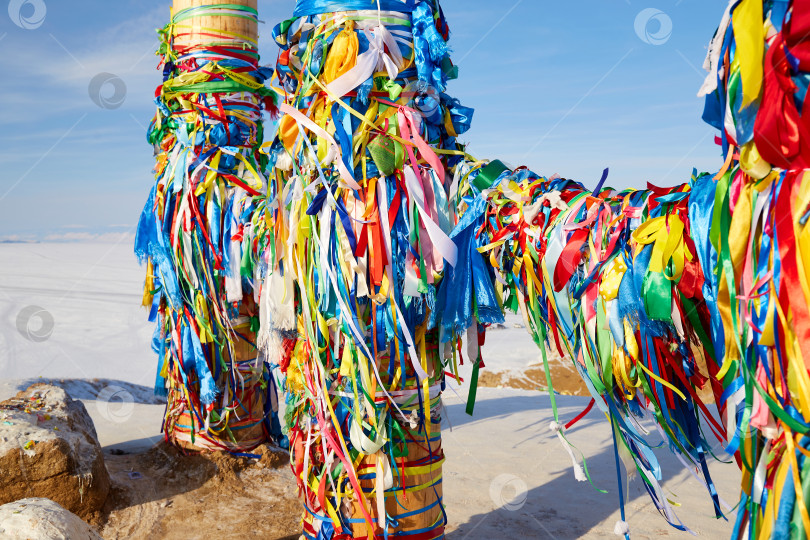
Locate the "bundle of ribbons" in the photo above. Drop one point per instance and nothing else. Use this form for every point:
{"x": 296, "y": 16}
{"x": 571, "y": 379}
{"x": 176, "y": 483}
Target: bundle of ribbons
{"x": 356, "y": 238}
{"x": 670, "y": 299}
{"x": 614, "y": 281}
{"x": 194, "y": 232}
{"x": 755, "y": 247}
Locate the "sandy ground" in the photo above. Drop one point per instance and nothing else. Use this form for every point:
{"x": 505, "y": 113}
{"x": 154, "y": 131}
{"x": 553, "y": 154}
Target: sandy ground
{"x": 162, "y": 493}
{"x": 506, "y": 475}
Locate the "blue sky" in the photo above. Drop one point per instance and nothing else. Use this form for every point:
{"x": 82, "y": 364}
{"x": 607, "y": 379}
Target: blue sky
{"x": 569, "y": 87}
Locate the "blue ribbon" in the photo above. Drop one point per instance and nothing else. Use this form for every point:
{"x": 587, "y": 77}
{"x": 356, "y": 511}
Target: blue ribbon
{"x": 314, "y": 7}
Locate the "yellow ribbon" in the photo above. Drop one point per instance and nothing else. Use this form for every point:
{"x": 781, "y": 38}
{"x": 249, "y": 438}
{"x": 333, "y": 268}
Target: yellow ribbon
{"x": 749, "y": 35}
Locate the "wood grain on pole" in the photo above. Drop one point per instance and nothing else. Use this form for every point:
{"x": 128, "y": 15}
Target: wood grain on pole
{"x": 237, "y": 25}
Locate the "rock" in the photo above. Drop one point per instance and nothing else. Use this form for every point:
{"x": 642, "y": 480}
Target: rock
{"x": 42, "y": 519}
{"x": 49, "y": 448}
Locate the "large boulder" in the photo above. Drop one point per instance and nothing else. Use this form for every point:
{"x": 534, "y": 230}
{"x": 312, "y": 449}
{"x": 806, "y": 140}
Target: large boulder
{"x": 49, "y": 448}
{"x": 42, "y": 519}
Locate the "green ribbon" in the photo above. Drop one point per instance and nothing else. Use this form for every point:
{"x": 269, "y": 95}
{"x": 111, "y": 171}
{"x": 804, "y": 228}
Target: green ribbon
{"x": 394, "y": 90}
{"x": 476, "y": 367}
{"x": 202, "y": 11}
{"x": 489, "y": 174}
{"x": 473, "y": 386}
{"x": 657, "y": 295}
{"x": 217, "y": 87}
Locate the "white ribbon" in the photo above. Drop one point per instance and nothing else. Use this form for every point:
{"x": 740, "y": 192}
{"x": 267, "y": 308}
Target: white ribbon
{"x": 712, "y": 61}
{"x": 384, "y": 479}
{"x": 760, "y": 474}
{"x": 363, "y": 442}
{"x": 375, "y": 59}
{"x": 280, "y": 299}
{"x": 579, "y": 472}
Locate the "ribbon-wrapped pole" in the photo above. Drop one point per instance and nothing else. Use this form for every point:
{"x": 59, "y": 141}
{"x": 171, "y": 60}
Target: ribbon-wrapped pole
{"x": 195, "y": 232}
{"x": 357, "y": 238}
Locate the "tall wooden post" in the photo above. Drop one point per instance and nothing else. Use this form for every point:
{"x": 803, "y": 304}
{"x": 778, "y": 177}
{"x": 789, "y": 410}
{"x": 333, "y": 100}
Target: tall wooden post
{"x": 207, "y": 130}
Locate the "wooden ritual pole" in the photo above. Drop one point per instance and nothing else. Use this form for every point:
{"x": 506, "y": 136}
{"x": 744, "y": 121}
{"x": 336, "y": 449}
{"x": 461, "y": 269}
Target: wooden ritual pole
{"x": 237, "y": 420}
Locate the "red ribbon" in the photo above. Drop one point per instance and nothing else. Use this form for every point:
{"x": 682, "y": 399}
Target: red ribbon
{"x": 791, "y": 295}
{"x": 797, "y": 33}
{"x": 778, "y": 130}
{"x": 581, "y": 415}
{"x": 569, "y": 259}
